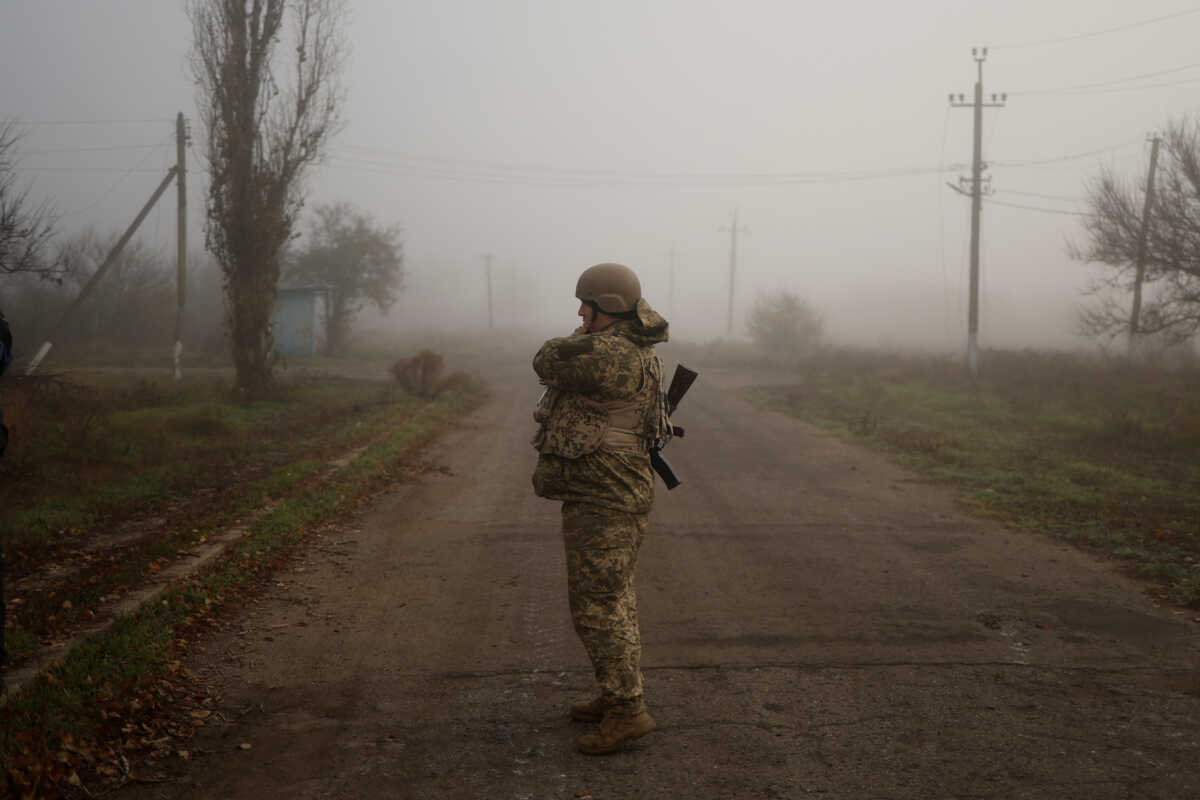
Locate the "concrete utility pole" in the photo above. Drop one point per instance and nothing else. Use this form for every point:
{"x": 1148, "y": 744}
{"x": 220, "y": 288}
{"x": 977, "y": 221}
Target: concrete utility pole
{"x": 95, "y": 279}
{"x": 1136, "y": 312}
{"x": 976, "y": 187}
{"x": 180, "y": 237}
{"x": 733, "y": 229}
{"x": 487, "y": 261}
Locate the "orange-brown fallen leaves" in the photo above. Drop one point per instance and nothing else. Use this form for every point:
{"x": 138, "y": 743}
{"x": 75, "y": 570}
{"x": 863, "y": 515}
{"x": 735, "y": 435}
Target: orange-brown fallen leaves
{"x": 130, "y": 743}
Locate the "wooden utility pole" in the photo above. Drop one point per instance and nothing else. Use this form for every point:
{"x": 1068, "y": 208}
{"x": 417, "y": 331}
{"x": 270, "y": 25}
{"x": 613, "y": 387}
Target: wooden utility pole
{"x": 487, "y": 261}
{"x": 180, "y": 238}
{"x": 733, "y": 229}
{"x": 1136, "y": 311}
{"x": 95, "y": 279}
{"x": 976, "y": 186}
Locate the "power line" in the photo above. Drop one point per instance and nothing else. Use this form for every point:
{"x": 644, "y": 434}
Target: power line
{"x": 1083, "y": 86}
{"x": 1059, "y": 159}
{"x": 1140, "y": 88}
{"x": 90, "y": 149}
{"x": 400, "y": 160}
{"x": 1070, "y": 198}
{"x": 104, "y": 195}
{"x": 484, "y": 172}
{"x": 558, "y": 176}
{"x": 79, "y": 169}
{"x": 1103, "y": 32}
{"x": 20, "y": 121}
{"x": 1036, "y": 208}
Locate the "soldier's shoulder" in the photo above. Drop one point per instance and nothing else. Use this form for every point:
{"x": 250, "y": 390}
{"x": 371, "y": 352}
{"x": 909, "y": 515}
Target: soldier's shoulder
{"x": 616, "y": 346}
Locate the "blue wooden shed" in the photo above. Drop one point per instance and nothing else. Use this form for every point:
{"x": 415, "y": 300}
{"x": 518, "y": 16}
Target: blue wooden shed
{"x": 296, "y": 319}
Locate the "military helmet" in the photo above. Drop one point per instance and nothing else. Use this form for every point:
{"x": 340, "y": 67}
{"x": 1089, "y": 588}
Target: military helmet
{"x": 612, "y": 288}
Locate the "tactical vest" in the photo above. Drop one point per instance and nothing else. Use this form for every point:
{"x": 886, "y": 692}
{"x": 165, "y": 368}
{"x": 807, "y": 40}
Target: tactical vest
{"x": 573, "y": 425}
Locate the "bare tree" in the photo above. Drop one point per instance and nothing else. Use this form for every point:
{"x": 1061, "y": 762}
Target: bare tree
{"x": 1171, "y": 309}
{"x": 25, "y": 228}
{"x": 357, "y": 259}
{"x": 133, "y": 300}
{"x": 261, "y": 138}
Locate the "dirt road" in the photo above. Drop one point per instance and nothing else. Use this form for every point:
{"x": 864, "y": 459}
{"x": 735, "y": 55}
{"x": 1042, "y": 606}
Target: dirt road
{"x": 817, "y": 622}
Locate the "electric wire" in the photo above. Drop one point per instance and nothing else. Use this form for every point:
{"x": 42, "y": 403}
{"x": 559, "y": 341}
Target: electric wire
{"x": 1092, "y": 34}
{"x": 20, "y": 121}
{"x": 492, "y": 172}
{"x": 482, "y": 171}
{"x": 1140, "y": 88}
{"x": 1040, "y": 195}
{"x": 1082, "y": 87}
{"x": 400, "y": 160}
{"x": 77, "y": 169}
{"x": 90, "y": 149}
{"x": 120, "y": 180}
{"x": 1060, "y": 159}
{"x": 1042, "y": 209}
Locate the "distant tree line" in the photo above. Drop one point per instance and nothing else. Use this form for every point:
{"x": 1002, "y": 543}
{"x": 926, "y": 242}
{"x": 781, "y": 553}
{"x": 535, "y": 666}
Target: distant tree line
{"x": 131, "y": 313}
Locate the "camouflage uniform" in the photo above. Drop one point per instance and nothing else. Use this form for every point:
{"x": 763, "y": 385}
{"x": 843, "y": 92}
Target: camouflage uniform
{"x": 600, "y": 410}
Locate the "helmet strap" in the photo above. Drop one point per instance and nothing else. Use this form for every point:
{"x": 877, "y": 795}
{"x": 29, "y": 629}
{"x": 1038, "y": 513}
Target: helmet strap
{"x": 594, "y": 306}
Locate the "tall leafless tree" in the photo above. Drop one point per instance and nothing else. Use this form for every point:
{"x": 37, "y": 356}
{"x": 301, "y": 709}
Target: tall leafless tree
{"x": 25, "y": 227}
{"x": 1171, "y": 308}
{"x": 262, "y": 135}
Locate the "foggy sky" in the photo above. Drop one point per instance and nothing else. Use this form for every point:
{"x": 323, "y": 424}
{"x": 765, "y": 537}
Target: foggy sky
{"x": 622, "y": 116}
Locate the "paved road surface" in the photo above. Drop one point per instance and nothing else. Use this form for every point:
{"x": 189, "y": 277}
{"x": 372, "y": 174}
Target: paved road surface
{"x": 817, "y": 622}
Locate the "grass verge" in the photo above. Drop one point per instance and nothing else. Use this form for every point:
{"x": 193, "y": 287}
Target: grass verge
{"x": 1101, "y": 454}
{"x": 162, "y": 468}
{"x": 83, "y": 713}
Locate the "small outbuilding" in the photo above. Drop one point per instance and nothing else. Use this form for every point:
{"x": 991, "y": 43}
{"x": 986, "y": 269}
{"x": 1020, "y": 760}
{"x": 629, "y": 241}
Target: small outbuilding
{"x": 296, "y": 321}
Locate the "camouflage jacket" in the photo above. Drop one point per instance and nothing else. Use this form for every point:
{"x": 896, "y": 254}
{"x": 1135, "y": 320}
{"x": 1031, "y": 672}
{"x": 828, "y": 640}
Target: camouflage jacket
{"x": 590, "y": 379}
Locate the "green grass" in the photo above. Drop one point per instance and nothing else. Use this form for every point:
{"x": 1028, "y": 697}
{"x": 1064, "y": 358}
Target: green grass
{"x": 74, "y": 699}
{"x": 57, "y": 523}
{"x": 85, "y": 454}
{"x": 1105, "y": 456}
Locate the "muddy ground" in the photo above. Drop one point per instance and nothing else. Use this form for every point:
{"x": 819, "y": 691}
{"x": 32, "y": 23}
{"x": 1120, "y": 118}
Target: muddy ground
{"x": 817, "y": 622}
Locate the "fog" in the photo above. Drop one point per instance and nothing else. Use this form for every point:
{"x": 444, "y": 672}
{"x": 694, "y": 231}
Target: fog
{"x": 555, "y": 135}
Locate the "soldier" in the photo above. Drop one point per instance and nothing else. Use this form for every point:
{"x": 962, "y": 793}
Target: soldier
{"x": 602, "y": 410}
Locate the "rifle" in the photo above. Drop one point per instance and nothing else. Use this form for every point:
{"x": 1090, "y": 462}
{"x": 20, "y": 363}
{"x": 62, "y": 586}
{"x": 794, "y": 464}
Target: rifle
{"x": 681, "y": 381}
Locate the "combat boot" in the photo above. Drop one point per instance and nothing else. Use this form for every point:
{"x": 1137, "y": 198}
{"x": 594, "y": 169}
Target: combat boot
{"x": 622, "y": 724}
{"x": 593, "y": 710}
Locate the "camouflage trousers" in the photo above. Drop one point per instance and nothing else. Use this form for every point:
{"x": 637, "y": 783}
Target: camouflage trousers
{"x": 602, "y": 548}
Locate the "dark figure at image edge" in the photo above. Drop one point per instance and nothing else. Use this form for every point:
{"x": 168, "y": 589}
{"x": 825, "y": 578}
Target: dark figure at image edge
{"x": 602, "y": 413}
{"x": 6, "y": 358}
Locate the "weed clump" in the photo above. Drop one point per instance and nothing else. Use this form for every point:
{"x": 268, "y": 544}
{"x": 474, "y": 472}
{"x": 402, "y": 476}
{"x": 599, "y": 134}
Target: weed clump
{"x": 419, "y": 375}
